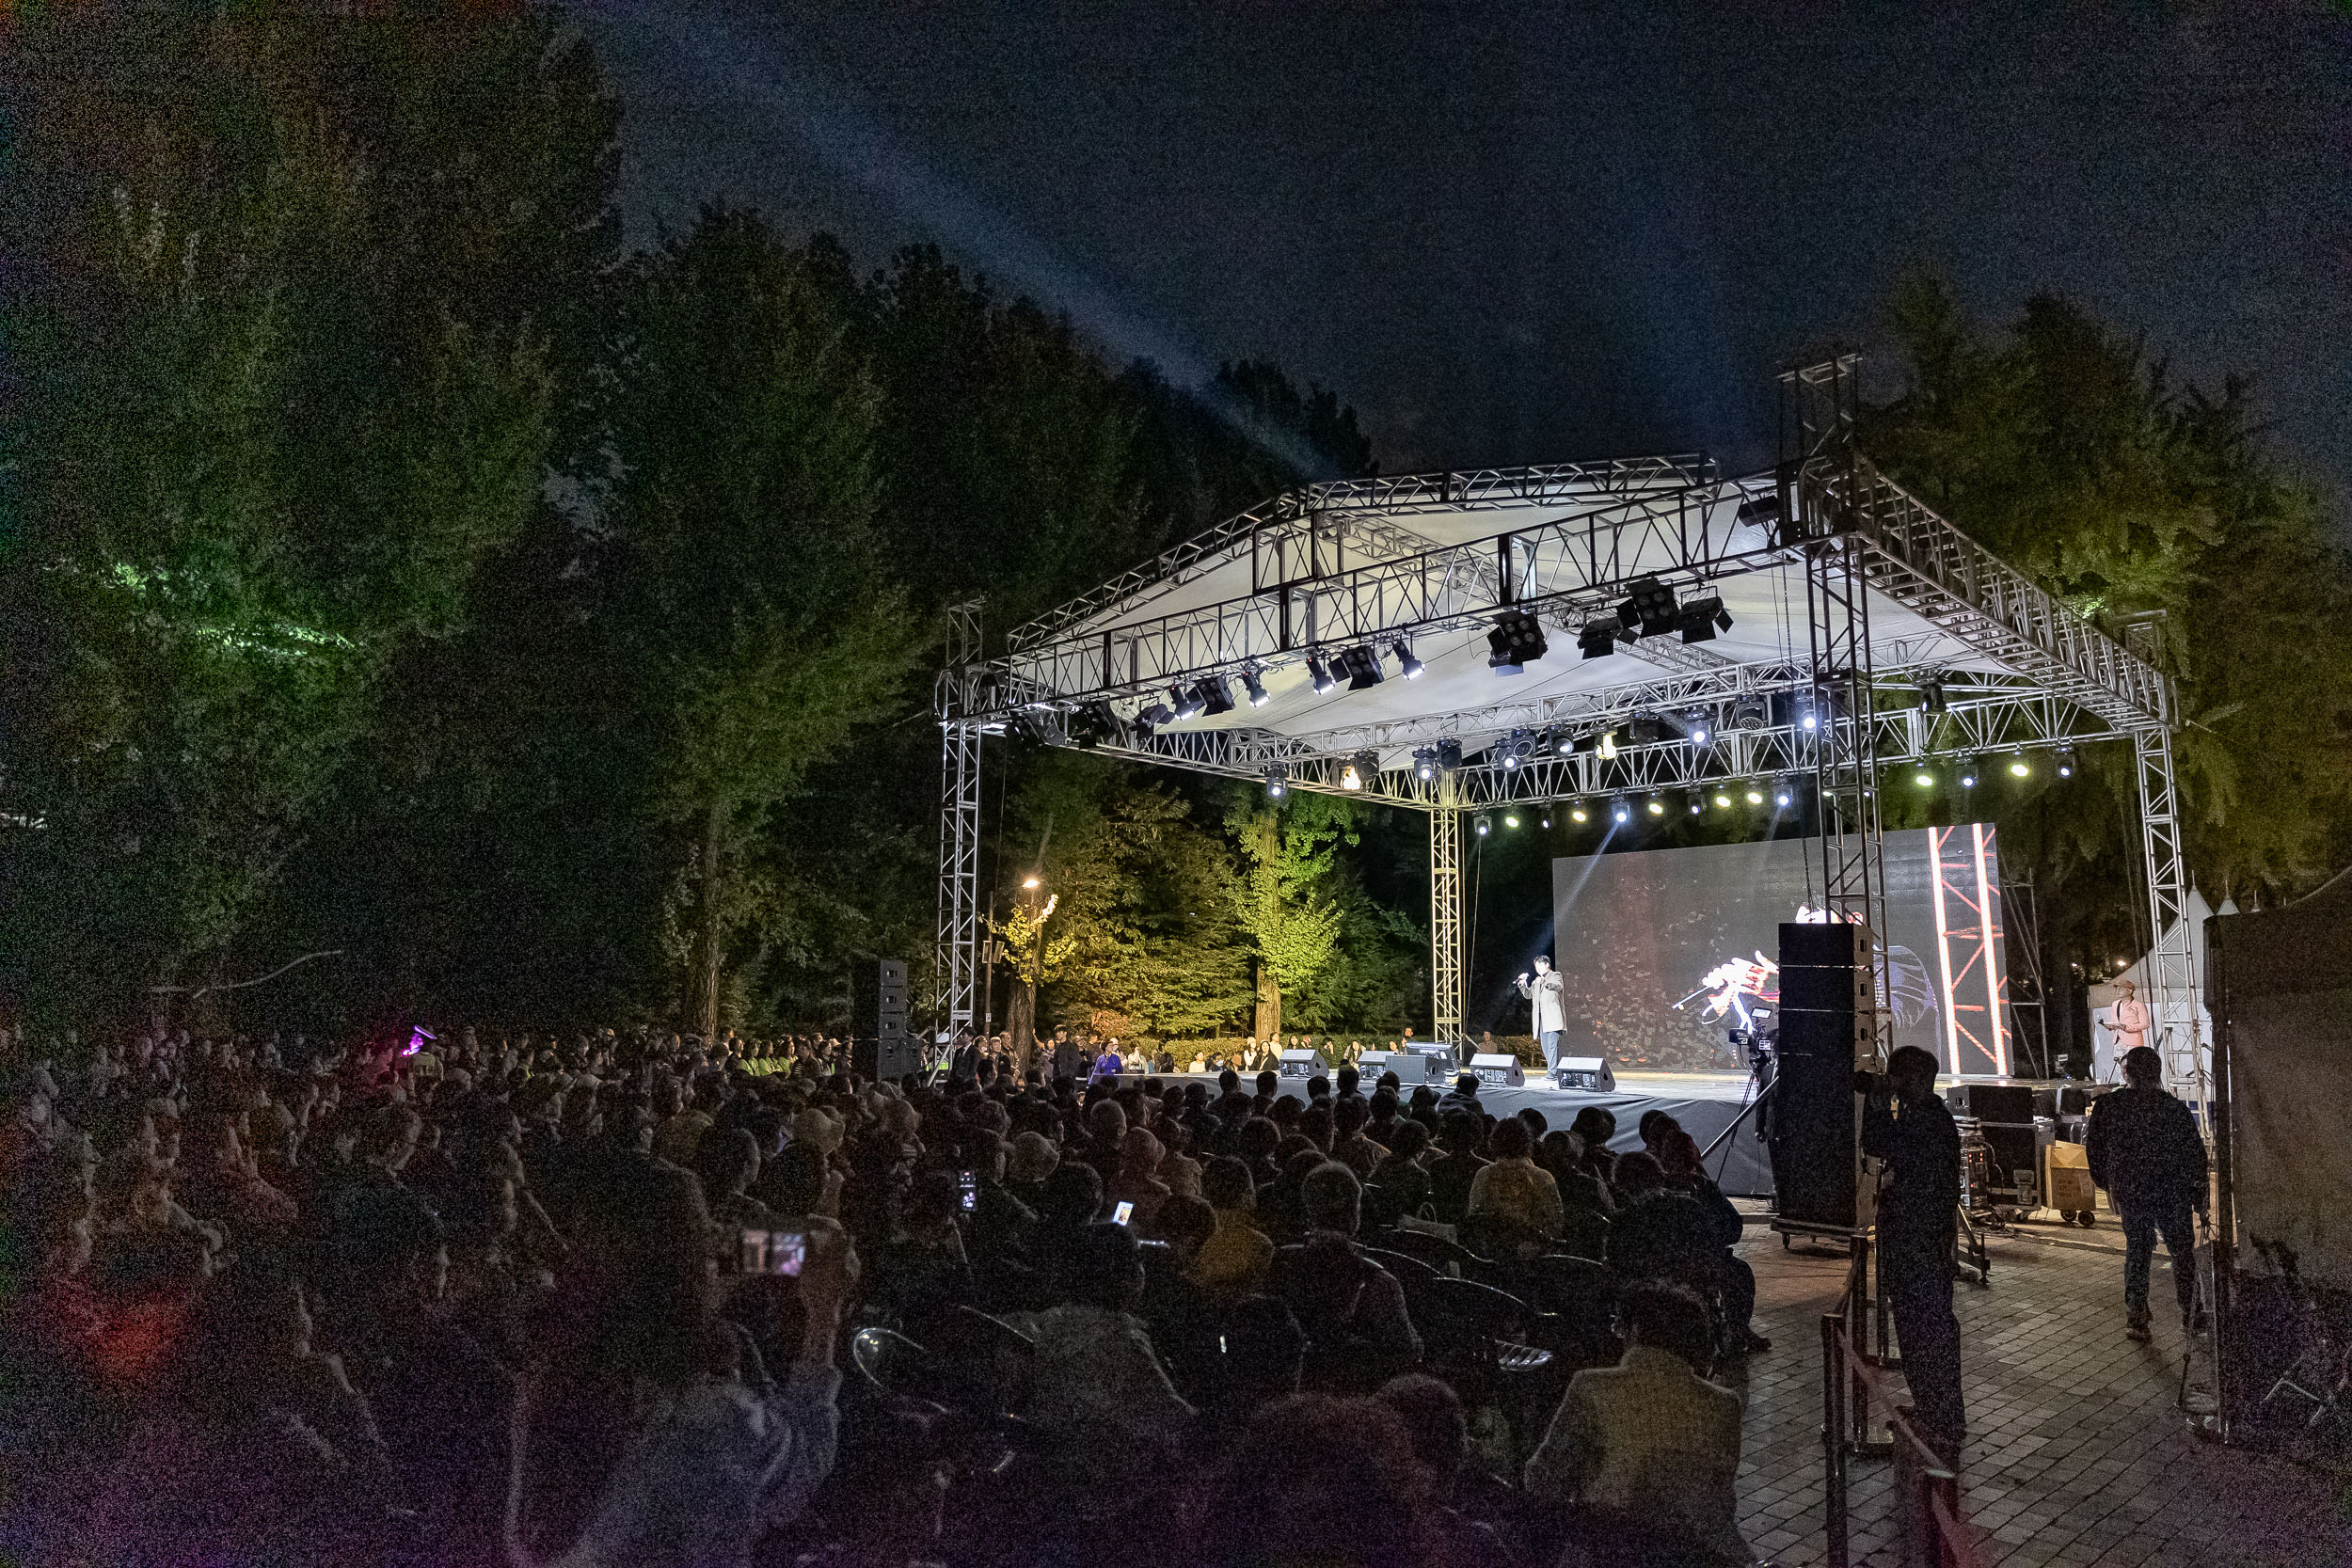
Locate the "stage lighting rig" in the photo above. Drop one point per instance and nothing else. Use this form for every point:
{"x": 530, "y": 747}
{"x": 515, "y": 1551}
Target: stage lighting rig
{"x": 1450, "y": 754}
{"x": 1763, "y": 512}
{"x": 1483, "y": 826}
{"x": 1782, "y": 794}
{"x": 1696, "y": 800}
{"x": 1407, "y": 665}
{"x": 1703, "y": 618}
{"x": 1646, "y": 729}
{"x": 1255, "y": 686}
{"x": 1925, "y": 779}
{"x": 1696, "y": 730}
{"x": 1350, "y": 778}
{"x": 2066, "y": 762}
{"x": 1153, "y": 717}
{"x": 1189, "y": 700}
{"x": 1278, "y": 781}
{"x": 1216, "y": 695}
{"x": 1599, "y": 639}
{"x": 1368, "y": 767}
{"x": 1426, "y": 764}
{"x": 2018, "y": 767}
{"x": 1578, "y": 814}
{"x": 1510, "y": 819}
{"x": 1722, "y": 801}
{"x": 1556, "y": 741}
{"x": 1319, "y": 676}
{"x": 1517, "y": 746}
{"x": 1094, "y": 722}
{"x": 1931, "y": 697}
{"x": 1657, "y": 806}
{"x": 1515, "y": 641}
{"x": 1967, "y": 772}
{"x": 1750, "y": 713}
{"x": 1650, "y": 605}
{"x": 1362, "y": 666}
{"x": 1618, "y": 810}
{"x": 1756, "y": 796}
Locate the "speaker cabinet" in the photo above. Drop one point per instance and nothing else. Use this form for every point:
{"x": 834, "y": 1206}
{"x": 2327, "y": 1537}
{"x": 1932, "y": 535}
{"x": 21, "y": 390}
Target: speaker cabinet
{"x": 1815, "y": 1143}
{"x": 881, "y": 1045}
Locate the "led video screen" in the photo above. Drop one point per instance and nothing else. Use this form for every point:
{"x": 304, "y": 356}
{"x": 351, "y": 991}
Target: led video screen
{"x": 1665, "y": 951}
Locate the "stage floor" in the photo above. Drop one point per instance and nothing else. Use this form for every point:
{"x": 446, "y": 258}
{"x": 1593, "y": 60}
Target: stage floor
{"x": 1704, "y": 1102}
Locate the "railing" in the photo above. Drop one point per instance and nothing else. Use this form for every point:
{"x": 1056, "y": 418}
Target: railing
{"x": 1935, "y": 1530}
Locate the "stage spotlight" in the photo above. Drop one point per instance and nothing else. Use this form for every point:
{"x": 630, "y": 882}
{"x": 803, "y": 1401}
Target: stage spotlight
{"x": 1579, "y": 816}
{"x": 1698, "y": 802}
{"x": 1545, "y": 819}
{"x": 1931, "y": 691}
{"x": 1510, "y": 819}
{"x": 1703, "y": 618}
{"x": 1695, "y": 729}
{"x": 1362, "y": 666}
{"x": 1781, "y": 793}
{"x": 1517, "y": 747}
{"x": 1515, "y": 641}
{"x": 1095, "y": 722}
{"x": 1807, "y": 720}
{"x": 1750, "y": 713}
{"x": 2019, "y": 768}
{"x": 1153, "y": 717}
{"x": 2066, "y": 762}
{"x": 1319, "y": 676}
{"x": 1556, "y": 741}
{"x": 1650, "y": 605}
{"x": 1407, "y": 665}
{"x": 1277, "y": 781}
{"x": 1756, "y": 796}
{"x": 1368, "y": 767}
{"x": 1426, "y": 764}
{"x": 1646, "y": 729}
{"x": 1215, "y": 695}
{"x": 1619, "y": 810}
{"x": 1350, "y": 779}
{"x": 1924, "y": 779}
{"x": 1254, "y": 686}
{"x": 1968, "y": 773}
{"x": 1599, "y": 639}
{"x": 1722, "y": 801}
{"x": 1657, "y": 806}
{"x": 1449, "y": 755}
{"x": 1483, "y": 826}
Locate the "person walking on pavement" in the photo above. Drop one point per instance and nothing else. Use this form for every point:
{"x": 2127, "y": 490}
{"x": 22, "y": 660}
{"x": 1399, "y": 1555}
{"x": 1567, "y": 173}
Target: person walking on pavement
{"x": 2145, "y": 1149}
{"x": 1908, "y": 1128}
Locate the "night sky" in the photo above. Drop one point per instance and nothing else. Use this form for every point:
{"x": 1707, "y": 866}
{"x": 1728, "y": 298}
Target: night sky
{"x": 1511, "y": 233}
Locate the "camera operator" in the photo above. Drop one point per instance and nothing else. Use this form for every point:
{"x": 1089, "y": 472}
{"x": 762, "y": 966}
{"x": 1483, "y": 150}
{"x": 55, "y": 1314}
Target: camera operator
{"x": 1911, "y": 1131}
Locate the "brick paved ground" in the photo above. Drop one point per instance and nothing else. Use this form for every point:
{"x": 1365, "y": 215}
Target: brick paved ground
{"x": 2076, "y": 1454}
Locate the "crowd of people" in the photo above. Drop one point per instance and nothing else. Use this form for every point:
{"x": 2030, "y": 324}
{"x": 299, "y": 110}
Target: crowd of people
{"x": 593, "y": 1302}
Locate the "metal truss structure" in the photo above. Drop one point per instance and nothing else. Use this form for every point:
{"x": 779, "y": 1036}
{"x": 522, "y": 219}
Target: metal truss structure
{"x": 957, "y": 975}
{"x": 1894, "y": 598}
{"x": 1968, "y": 951}
{"x": 1449, "y": 962}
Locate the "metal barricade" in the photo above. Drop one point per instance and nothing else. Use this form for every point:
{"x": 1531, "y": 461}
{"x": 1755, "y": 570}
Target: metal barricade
{"x": 1935, "y": 1531}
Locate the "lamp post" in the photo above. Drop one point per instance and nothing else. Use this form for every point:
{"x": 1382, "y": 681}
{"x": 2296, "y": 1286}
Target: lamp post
{"x": 1025, "y": 1023}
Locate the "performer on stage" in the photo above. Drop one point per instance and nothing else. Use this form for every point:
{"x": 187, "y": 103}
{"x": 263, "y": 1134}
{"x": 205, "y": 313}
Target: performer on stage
{"x": 2127, "y": 1020}
{"x": 1547, "y": 993}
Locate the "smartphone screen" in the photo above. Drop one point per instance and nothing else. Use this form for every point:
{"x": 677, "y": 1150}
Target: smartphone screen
{"x": 968, "y": 1190}
{"x": 786, "y": 1251}
{"x": 1121, "y": 1214}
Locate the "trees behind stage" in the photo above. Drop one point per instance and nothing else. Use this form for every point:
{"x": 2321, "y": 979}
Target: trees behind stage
{"x": 394, "y": 562}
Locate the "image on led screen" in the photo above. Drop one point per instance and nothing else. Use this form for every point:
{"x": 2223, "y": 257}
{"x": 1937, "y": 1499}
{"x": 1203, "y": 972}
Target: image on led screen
{"x": 1666, "y": 951}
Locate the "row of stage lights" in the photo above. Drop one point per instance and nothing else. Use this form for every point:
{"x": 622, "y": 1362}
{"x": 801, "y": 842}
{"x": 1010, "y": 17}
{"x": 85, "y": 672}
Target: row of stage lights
{"x": 1361, "y": 770}
{"x": 1514, "y": 641}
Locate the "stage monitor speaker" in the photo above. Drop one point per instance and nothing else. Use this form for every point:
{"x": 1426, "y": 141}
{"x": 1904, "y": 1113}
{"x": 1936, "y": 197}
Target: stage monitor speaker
{"x": 1437, "y": 1061}
{"x": 1371, "y": 1064}
{"x": 1497, "y": 1068}
{"x": 878, "y": 1021}
{"x": 1815, "y": 1144}
{"x": 1583, "y": 1072}
{"x": 1300, "y": 1064}
{"x": 2074, "y": 1100}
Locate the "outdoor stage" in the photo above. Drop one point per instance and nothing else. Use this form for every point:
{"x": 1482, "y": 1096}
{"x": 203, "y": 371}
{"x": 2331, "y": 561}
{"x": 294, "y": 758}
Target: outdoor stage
{"x": 1705, "y": 1103}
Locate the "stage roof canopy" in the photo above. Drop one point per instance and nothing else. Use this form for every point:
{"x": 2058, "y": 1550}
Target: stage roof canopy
{"x": 1713, "y": 681}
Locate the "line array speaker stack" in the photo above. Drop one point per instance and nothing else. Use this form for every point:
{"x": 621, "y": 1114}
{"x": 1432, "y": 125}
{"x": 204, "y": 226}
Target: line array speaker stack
{"x": 1828, "y": 1028}
{"x": 880, "y": 1044}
